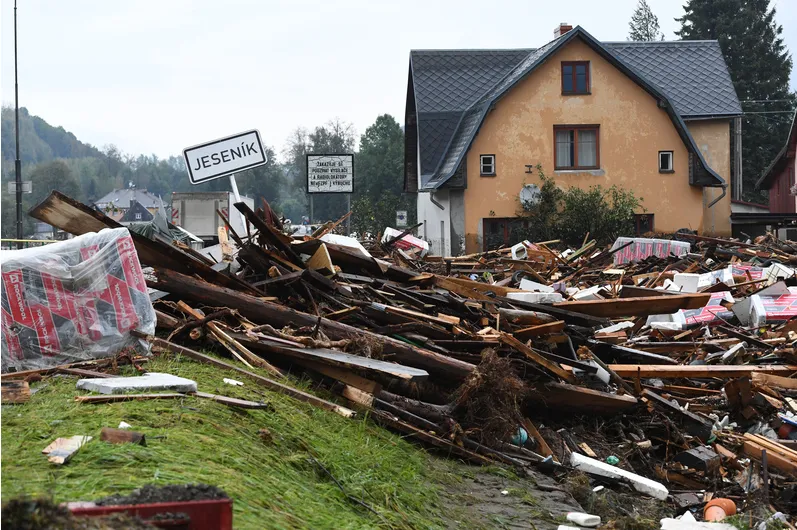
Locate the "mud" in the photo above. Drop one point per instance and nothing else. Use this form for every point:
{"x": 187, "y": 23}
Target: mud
{"x": 42, "y": 514}
{"x": 173, "y": 493}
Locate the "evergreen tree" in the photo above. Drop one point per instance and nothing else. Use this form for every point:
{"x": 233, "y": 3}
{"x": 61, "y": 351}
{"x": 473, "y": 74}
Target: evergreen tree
{"x": 644, "y": 25}
{"x": 760, "y": 66}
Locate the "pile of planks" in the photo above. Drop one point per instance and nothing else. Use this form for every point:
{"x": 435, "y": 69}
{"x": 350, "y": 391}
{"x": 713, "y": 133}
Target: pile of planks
{"x": 438, "y": 348}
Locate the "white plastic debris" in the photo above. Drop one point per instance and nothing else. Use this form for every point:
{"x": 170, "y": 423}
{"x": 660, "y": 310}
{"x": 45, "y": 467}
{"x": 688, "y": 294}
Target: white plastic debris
{"x": 504, "y": 492}
{"x": 124, "y": 425}
{"x": 678, "y": 524}
{"x": 519, "y": 251}
{"x": 345, "y": 241}
{"x": 535, "y": 298}
{"x": 639, "y": 483}
{"x": 529, "y": 285}
{"x": 233, "y": 382}
{"x": 584, "y": 519}
{"x": 616, "y": 327}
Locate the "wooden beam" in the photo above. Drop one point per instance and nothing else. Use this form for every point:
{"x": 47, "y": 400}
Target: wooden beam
{"x": 577, "y": 399}
{"x": 648, "y": 305}
{"x": 661, "y": 371}
{"x": 775, "y": 381}
{"x": 512, "y": 342}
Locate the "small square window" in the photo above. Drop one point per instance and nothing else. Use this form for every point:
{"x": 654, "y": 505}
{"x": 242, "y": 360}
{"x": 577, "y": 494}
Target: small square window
{"x": 487, "y": 163}
{"x": 665, "y": 162}
{"x": 575, "y": 77}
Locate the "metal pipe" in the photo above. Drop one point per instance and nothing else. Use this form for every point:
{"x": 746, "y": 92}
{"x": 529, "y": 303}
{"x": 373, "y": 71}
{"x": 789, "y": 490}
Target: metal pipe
{"x": 17, "y": 163}
{"x": 431, "y": 198}
{"x": 718, "y": 199}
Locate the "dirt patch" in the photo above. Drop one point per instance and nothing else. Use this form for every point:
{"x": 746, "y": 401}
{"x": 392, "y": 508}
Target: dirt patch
{"x": 42, "y": 514}
{"x": 171, "y": 493}
{"x": 476, "y": 499}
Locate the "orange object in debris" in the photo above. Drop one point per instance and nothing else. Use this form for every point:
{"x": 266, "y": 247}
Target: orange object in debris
{"x": 718, "y": 509}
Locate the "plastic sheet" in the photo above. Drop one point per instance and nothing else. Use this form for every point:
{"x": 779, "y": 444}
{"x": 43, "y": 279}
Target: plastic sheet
{"x": 641, "y": 248}
{"x": 72, "y": 301}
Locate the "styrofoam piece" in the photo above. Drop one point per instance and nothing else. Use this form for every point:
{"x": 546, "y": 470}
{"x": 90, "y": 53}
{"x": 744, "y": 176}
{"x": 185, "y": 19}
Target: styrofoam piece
{"x": 535, "y": 298}
{"x": 529, "y": 285}
{"x": 148, "y": 382}
{"x": 616, "y": 327}
{"x": 639, "y": 483}
{"x": 584, "y": 519}
{"x": 677, "y": 524}
{"x": 590, "y": 293}
{"x": 777, "y": 271}
{"x": 692, "y": 283}
{"x": 567, "y": 527}
{"x": 124, "y": 425}
{"x": 687, "y": 281}
{"x": 673, "y": 321}
{"x": 345, "y": 241}
{"x": 407, "y": 242}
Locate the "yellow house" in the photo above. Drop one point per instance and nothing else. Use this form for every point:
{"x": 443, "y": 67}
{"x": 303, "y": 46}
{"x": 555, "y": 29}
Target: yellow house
{"x": 656, "y": 118}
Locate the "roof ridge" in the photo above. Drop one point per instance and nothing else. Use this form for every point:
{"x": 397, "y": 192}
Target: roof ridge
{"x": 659, "y": 42}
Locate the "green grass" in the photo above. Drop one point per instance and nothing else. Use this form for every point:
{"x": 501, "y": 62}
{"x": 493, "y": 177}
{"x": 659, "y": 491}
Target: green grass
{"x": 195, "y": 440}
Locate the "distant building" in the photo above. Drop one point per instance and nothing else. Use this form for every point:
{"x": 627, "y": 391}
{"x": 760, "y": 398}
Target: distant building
{"x": 116, "y": 203}
{"x": 137, "y": 213}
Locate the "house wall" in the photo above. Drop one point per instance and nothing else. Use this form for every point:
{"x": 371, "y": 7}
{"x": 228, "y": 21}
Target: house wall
{"x": 633, "y": 129}
{"x": 436, "y": 227}
{"x": 713, "y": 138}
{"x": 780, "y": 198}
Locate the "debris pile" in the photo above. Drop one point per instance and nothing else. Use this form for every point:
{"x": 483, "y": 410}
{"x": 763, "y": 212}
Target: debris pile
{"x": 666, "y": 370}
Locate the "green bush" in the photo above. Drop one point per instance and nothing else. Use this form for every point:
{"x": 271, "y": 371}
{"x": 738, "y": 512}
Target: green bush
{"x": 570, "y": 213}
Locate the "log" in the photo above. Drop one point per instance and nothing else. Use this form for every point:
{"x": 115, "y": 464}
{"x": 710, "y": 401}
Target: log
{"x": 525, "y": 318}
{"x": 775, "y": 381}
{"x": 512, "y": 342}
{"x": 647, "y": 305}
{"x": 577, "y": 400}
{"x": 277, "y": 315}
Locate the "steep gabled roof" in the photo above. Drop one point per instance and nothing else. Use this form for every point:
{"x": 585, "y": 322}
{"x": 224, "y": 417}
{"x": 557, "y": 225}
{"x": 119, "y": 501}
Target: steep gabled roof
{"x": 454, "y": 89}
{"x": 775, "y": 167}
{"x": 121, "y": 198}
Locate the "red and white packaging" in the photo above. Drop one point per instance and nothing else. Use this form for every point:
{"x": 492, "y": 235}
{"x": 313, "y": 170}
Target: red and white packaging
{"x": 72, "y": 301}
{"x": 408, "y": 242}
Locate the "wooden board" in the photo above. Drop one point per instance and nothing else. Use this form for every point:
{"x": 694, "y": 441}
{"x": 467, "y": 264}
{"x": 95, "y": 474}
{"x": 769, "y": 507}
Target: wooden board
{"x": 557, "y": 369}
{"x": 775, "y": 381}
{"x": 577, "y": 400}
{"x": 61, "y": 450}
{"x": 774, "y": 459}
{"x": 648, "y": 305}
{"x": 661, "y": 371}
{"x": 542, "y": 329}
{"x": 15, "y": 391}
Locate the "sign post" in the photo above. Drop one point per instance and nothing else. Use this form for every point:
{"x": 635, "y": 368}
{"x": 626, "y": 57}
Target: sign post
{"x": 330, "y": 173}
{"x": 224, "y": 157}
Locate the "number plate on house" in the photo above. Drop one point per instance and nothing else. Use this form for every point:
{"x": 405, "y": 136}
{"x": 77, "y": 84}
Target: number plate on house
{"x": 224, "y": 156}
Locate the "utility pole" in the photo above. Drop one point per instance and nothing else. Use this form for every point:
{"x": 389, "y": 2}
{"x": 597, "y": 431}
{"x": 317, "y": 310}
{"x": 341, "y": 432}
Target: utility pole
{"x": 17, "y": 163}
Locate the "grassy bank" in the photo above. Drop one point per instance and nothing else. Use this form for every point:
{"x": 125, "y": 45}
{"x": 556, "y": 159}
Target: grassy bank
{"x": 274, "y": 484}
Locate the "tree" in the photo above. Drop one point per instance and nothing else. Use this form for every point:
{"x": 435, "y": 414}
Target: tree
{"x": 644, "y": 25}
{"x": 760, "y": 66}
{"x": 379, "y": 187}
{"x": 54, "y": 175}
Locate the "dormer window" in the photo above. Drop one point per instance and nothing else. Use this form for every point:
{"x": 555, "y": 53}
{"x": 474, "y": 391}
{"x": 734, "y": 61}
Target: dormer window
{"x": 575, "y": 77}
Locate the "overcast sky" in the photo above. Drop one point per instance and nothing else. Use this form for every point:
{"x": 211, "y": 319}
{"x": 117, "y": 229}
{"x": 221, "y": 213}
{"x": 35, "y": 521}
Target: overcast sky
{"x": 154, "y": 76}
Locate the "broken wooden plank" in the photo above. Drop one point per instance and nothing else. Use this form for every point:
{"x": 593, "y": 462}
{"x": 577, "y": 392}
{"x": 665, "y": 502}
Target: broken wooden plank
{"x": 233, "y": 402}
{"x": 61, "y": 450}
{"x": 84, "y": 373}
{"x": 661, "y": 371}
{"x": 648, "y": 305}
{"x": 575, "y": 398}
{"x": 774, "y": 381}
{"x": 321, "y": 260}
{"x": 542, "y": 446}
{"x": 14, "y": 392}
{"x": 694, "y": 424}
{"x": 553, "y": 367}
{"x": 542, "y": 329}
{"x": 525, "y": 318}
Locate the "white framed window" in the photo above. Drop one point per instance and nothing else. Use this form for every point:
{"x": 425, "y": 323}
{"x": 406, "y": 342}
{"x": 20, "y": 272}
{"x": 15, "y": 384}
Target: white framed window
{"x": 665, "y": 162}
{"x": 138, "y": 217}
{"x": 487, "y": 163}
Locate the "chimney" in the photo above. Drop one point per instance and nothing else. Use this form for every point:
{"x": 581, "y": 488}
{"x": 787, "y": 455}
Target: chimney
{"x": 561, "y": 29}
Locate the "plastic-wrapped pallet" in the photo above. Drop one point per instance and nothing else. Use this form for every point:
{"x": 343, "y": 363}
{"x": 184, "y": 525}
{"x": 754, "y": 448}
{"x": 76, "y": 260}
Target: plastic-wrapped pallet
{"x": 641, "y": 248}
{"x": 72, "y": 301}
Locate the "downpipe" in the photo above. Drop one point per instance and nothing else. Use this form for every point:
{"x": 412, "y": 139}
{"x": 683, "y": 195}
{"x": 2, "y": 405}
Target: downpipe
{"x": 431, "y": 198}
{"x": 718, "y": 199}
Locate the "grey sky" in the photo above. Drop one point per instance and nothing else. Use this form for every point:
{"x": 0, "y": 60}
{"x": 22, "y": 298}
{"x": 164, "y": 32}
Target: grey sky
{"x": 154, "y": 76}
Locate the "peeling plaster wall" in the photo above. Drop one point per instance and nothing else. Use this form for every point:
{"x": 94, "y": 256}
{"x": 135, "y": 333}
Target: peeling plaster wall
{"x": 713, "y": 138}
{"x": 519, "y": 131}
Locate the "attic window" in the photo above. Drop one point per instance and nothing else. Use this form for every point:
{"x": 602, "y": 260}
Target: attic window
{"x": 138, "y": 217}
{"x": 575, "y": 77}
{"x": 665, "y": 162}
{"x": 487, "y": 164}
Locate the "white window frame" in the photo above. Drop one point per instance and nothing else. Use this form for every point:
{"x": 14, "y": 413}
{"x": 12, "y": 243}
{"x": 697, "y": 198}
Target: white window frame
{"x": 670, "y": 169}
{"x": 138, "y": 216}
{"x": 490, "y": 164}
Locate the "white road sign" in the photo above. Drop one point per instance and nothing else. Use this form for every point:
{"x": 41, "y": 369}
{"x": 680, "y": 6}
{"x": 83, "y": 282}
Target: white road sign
{"x": 224, "y": 156}
{"x": 401, "y": 217}
{"x": 330, "y": 173}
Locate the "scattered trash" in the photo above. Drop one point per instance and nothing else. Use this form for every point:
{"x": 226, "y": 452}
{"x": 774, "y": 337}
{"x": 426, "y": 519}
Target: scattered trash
{"x": 61, "y": 450}
{"x": 233, "y": 382}
{"x": 122, "y": 436}
{"x": 150, "y": 381}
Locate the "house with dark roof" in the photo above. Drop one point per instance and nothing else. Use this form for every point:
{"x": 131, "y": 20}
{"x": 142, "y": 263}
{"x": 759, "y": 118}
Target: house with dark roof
{"x": 136, "y": 213}
{"x": 116, "y": 203}
{"x": 654, "y": 117}
{"x": 778, "y": 178}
